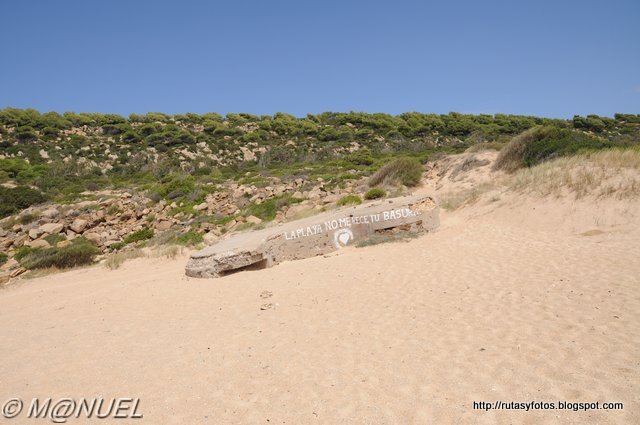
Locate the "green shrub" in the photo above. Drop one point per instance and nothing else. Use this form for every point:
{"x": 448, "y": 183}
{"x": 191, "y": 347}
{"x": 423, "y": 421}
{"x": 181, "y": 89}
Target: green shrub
{"x": 18, "y": 198}
{"x": 26, "y": 218}
{"x": 139, "y": 235}
{"x": 54, "y": 239}
{"x": 25, "y": 134}
{"x": 265, "y": 211}
{"x": 189, "y": 238}
{"x": 406, "y": 171}
{"x": 375, "y": 193}
{"x": 3, "y": 258}
{"x": 349, "y": 200}
{"x": 268, "y": 209}
{"x": 540, "y": 144}
{"x": 79, "y": 252}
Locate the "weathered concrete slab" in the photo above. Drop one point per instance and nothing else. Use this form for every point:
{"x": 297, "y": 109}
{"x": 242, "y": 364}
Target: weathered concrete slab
{"x": 317, "y": 235}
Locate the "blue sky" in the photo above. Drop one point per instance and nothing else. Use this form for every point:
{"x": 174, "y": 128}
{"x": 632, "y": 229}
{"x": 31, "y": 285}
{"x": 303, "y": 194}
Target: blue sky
{"x": 546, "y": 58}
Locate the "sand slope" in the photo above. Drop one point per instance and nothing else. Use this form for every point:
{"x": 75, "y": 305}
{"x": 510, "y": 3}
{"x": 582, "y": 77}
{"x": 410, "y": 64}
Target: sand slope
{"x": 504, "y": 302}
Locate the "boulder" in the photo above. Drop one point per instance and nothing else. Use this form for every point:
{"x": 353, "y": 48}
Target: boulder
{"x": 50, "y": 213}
{"x": 79, "y": 225}
{"x": 52, "y": 228}
{"x": 93, "y": 237}
{"x": 253, "y": 219}
{"x": 40, "y": 243}
{"x": 162, "y": 225}
{"x": 35, "y": 233}
{"x": 62, "y": 244}
{"x": 200, "y": 207}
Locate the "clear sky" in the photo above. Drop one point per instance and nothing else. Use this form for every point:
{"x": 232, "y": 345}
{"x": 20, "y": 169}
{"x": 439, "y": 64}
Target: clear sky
{"x": 546, "y": 58}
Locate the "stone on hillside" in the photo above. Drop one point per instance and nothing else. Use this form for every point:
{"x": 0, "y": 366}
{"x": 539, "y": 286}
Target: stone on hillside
{"x": 200, "y": 207}
{"x": 10, "y": 264}
{"x": 40, "y": 243}
{"x": 35, "y": 233}
{"x": 162, "y": 225}
{"x": 50, "y": 213}
{"x": 79, "y": 225}
{"x": 62, "y": 244}
{"x": 330, "y": 199}
{"x": 210, "y": 238}
{"x": 253, "y": 219}
{"x": 52, "y": 228}
{"x": 93, "y": 237}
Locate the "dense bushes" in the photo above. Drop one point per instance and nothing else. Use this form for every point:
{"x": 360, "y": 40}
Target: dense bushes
{"x": 15, "y": 199}
{"x": 79, "y": 252}
{"x": 375, "y": 193}
{"x": 404, "y": 171}
{"x": 542, "y": 143}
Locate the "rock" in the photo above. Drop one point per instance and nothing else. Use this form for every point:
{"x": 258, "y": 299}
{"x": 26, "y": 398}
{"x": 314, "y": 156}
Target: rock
{"x": 93, "y": 237}
{"x": 10, "y": 264}
{"x": 40, "y": 243}
{"x": 62, "y": 244}
{"x": 200, "y": 207}
{"x": 266, "y": 306}
{"x": 210, "y": 238}
{"x": 162, "y": 225}
{"x": 18, "y": 271}
{"x": 266, "y": 294}
{"x": 20, "y": 240}
{"x": 4, "y": 277}
{"x": 330, "y": 199}
{"x": 35, "y": 233}
{"x": 79, "y": 225}
{"x": 52, "y": 228}
{"x": 50, "y": 213}
{"x": 253, "y": 219}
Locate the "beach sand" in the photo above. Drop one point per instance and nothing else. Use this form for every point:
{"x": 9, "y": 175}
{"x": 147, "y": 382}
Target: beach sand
{"x": 517, "y": 299}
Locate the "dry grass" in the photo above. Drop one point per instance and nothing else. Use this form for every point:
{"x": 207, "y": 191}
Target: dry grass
{"x": 404, "y": 171}
{"x": 170, "y": 252}
{"x": 451, "y": 201}
{"x": 114, "y": 261}
{"x": 511, "y": 157}
{"x": 613, "y": 172}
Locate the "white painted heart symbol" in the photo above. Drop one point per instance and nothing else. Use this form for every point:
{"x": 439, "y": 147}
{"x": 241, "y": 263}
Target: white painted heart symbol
{"x": 344, "y": 238}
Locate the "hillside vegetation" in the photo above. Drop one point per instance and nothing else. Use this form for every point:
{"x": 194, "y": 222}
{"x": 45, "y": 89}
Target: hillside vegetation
{"x": 175, "y": 156}
{"x": 88, "y": 185}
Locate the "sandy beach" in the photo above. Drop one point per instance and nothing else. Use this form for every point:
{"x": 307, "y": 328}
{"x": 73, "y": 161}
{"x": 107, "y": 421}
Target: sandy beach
{"x": 519, "y": 300}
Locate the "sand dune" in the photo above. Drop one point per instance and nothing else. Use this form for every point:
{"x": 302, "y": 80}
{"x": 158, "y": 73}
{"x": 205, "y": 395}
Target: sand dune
{"x": 517, "y": 299}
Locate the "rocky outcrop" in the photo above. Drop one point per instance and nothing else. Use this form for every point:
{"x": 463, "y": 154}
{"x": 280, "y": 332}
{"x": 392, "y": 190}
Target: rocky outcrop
{"x": 315, "y": 235}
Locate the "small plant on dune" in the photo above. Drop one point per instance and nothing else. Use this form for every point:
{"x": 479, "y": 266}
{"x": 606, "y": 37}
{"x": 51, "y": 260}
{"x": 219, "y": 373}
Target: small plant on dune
{"x": 375, "y": 193}
{"x": 405, "y": 171}
{"x": 79, "y": 252}
{"x": 115, "y": 260}
{"x": 349, "y": 200}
